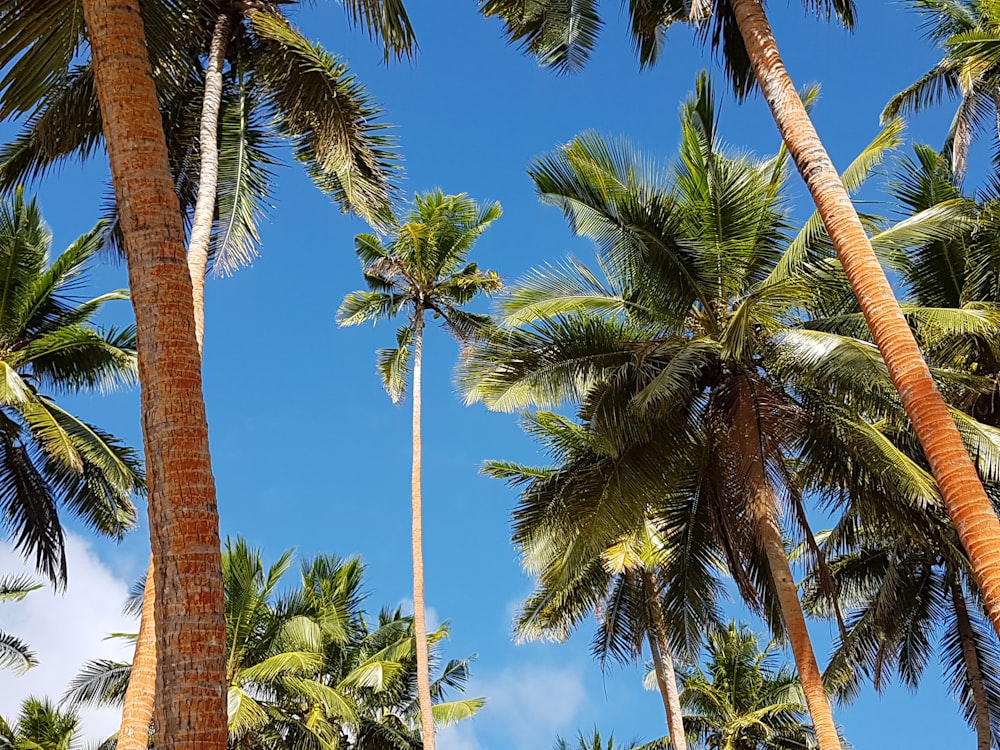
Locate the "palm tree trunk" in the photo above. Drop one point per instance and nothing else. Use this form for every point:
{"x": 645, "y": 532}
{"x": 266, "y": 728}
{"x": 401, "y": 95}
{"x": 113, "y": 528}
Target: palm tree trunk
{"x": 137, "y": 715}
{"x": 419, "y": 620}
{"x": 971, "y": 664}
{"x": 961, "y": 488}
{"x": 795, "y": 625}
{"x": 208, "y": 178}
{"x": 184, "y": 523}
{"x": 140, "y": 695}
{"x": 663, "y": 665}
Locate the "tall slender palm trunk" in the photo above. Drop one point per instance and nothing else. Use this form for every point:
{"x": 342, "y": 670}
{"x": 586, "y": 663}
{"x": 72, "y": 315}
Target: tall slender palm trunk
{"x": 140, "y": 696}
{"x": 795, "y": 625}
{"x": 979, "y": 700}
{"x": 663, "y": 665}
{"x": 208, "y": 178}
{"x": 184, "y": 524}
{"x": 137, "y": 715}
{"x": 961, "y": 488}
{"x": 419, "y": 620}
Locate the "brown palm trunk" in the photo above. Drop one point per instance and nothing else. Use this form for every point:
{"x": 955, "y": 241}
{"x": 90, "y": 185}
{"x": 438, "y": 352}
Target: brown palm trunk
{"x": 184, "y": 524}
{"x": 140, "y": 696}
{"x": 798, "y": 634}
{"x": 419, "y": 620}
{"x": 964, "y": 626}
{"x": 208, "y": 179}
{"x": 663, "y": 665}
{"x": 961, "y": 488}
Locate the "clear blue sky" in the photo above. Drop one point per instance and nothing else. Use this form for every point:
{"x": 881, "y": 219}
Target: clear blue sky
{"x": 309, "y": 452}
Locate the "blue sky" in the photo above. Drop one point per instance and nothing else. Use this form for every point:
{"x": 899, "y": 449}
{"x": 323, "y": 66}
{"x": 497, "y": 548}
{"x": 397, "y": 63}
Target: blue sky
{"x": 309, "y": 452}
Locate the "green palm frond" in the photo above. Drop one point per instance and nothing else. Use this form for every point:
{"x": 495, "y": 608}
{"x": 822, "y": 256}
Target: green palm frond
{"x": 452, "y": 712}
{"x": 332, "y": 121}
{"x": 394, "y": 364}
{"x": 559, "y": 35}
{"x": 100, "y": 682}
{"x": 385, "y": 20}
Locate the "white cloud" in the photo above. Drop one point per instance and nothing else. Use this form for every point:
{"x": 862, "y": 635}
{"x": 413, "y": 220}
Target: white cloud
{"x": 458, "y": 737}
{"x": 65, "y": 630}
{"x": 530, "y": 705}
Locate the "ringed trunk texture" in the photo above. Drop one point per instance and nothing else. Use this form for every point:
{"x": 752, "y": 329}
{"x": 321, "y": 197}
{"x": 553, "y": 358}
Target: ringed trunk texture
{"x": 419, "y": 621}
{"x": 184, "y": 523}
{"x": 798, "y": 634}
{"x": 961, "y": 488}
{"x": 208, "y": 178}
{"x": 663, "y": 666}
{"x": 983, "y": 734}
{"x": 140, "y": 696}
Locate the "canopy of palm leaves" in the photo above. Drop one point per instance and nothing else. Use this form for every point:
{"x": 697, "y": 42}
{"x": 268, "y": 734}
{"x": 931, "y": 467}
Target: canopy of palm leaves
{"x": 744, "y": 699}
{"x": 40, "y": 725}
{"x": 278, "y": 86}
{"x": 306, "y": 667}
{"x": 562, "y": 35}
{"x": 15, "y": 653}
{"x": 704, "y": 400}
{"x": 967, "y": 30}
{"x": 594, "y": 741}
{"x": 49, "y": 346}
{"x": 422, "y": 267}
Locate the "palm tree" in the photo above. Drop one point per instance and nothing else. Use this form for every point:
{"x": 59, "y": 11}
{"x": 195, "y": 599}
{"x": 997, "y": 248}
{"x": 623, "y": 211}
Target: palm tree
{"x": 743, "y": 699}
{"x": 625, "y": 585}
{"x": 967, "y": 31}
{"x": 48, "y": 456}
{"x": 184, "y": 523}
{"x": 903, "y": 595}
{"x": 422, "y": 268}
{"x": 703, "y": 393}
{"x": 595, "y": 742}
{"x": 561, "y": 35}
{"x": 305, "y": 669}
{"x": 15, "y": 653}
{"x": 41, "y": 726}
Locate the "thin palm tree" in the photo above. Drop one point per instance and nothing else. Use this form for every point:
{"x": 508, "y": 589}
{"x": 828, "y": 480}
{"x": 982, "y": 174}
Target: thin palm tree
{"x": 562, "y": 35}
{"x": 51, "y": 345}
{"x": 14, "y": 653}
{"x": 422, "y": 268}
{"x": 637, "y": 593}
{"x": 691, "y": 367}
{"x": 744, "y": 699}
{"x": 966, "y": 30}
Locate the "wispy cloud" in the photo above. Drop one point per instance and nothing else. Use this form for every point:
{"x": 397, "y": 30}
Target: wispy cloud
{"x": 65, "y": 630}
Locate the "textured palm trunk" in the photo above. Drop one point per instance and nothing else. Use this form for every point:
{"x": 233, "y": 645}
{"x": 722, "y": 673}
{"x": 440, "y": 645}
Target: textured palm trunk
{"x": 795, "y": 625}
{"x": 419, "y": 620}
{"x": 140, "y": 696}
{"x": 208, "y": 178}
{"x": 971, "y": 665}
{"x": 961, "y": 488}
{"x": 663, "y": 665}
{"x": 184, "y": 524}
{"x": 137, "y": 715}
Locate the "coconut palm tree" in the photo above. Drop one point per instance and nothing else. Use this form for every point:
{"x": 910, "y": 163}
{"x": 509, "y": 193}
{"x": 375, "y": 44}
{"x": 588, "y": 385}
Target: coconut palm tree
{"x": 905, "y": 595}
{"x": 422, "y": 267}
{"x": 305, "y": 668}
{"x": 744, "y": 699}
{"x": 48, "y": 456}
{"x": 562, "y": 35}
{"x": 966, "y": 30}
{"x": 595, "y": 742}
{"x": 625, "y": 585}
{"x": 15, "y": 653}
{"x": 40, "y": 725}
{"x": 39, "y": 41}
{"x": 692, "y": 370}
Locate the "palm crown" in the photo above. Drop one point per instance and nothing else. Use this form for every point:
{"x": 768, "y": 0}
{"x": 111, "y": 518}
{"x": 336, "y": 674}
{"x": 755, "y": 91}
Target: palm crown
{"x": 48, "y": 344}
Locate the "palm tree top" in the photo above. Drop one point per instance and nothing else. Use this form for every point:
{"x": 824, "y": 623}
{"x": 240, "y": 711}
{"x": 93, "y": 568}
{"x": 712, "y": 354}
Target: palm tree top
{"x": 422, "y": 266}
{"x": 563, "y": 35}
